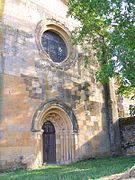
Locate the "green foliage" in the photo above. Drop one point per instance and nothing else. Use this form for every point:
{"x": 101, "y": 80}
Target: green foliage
{"x": 83, "y": 170}
{"x": 109, "y": 27}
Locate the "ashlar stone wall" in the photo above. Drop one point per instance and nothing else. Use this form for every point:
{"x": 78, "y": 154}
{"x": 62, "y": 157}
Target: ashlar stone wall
{"x": 28, "y": 80}
{"x": 127, "y": 131}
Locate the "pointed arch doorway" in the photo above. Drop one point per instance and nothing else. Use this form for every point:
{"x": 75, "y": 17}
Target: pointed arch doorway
{"x": 49, "y": 143}
{"x": 63, "y": 122}
{"x": 57, "y": 140}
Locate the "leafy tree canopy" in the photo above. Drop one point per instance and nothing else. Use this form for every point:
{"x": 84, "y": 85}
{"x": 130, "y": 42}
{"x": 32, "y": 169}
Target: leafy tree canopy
{"x": 109, "y": 26}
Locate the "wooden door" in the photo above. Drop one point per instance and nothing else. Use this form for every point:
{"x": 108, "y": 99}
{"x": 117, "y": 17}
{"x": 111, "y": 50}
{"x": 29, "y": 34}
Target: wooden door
{"x": 49, "y": 143}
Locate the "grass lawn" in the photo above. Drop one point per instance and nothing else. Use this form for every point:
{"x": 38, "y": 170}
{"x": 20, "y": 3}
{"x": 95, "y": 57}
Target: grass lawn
{"x": 83, "y": 170}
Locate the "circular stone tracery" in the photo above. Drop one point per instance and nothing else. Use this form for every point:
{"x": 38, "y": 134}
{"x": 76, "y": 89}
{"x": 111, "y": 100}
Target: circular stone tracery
{"x": 62, "y": 55}
{"x": 54, "y": 46}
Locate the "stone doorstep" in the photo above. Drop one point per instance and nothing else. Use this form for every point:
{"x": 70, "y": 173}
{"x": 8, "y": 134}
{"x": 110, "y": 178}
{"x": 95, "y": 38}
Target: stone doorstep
{"x": 50, "y": 164}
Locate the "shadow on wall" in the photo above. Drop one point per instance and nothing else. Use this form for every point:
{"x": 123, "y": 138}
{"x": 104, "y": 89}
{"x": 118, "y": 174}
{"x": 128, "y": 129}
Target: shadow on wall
{"x": 99, "y": 146}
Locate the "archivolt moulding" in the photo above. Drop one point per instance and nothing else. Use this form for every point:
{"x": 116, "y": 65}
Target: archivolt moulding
{"x": 44, "y": 108}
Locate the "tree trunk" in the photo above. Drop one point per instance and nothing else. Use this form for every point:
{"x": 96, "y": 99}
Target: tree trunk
{"x": 108, "y": 104}
{"x": 109, "y": 117}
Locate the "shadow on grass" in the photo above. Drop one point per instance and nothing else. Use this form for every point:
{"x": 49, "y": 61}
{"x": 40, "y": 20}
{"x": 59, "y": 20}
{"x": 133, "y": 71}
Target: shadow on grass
{"x": 83, "y": 170}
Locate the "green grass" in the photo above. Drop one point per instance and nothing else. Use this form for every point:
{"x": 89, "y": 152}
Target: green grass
{"x": 83, "y": 170}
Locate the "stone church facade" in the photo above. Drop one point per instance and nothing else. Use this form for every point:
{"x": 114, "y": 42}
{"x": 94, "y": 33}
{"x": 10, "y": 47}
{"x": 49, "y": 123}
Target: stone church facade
{"x": 52, "y": 110}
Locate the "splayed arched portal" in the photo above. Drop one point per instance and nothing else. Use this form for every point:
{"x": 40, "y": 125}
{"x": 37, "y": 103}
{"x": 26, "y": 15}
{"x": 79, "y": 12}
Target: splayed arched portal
{"x": 62, "y": 126}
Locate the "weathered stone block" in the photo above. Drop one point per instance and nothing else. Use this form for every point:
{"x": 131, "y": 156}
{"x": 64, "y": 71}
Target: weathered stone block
{"x": 127, "y": 131}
